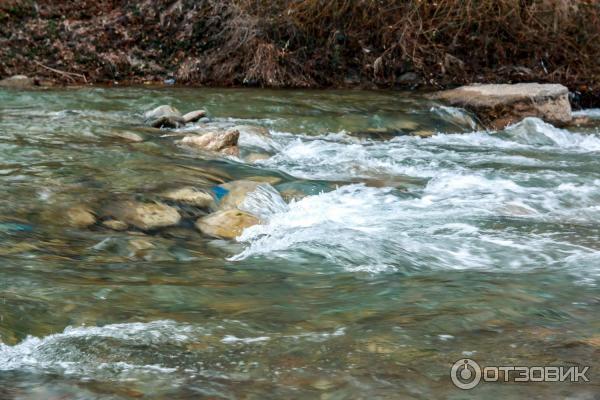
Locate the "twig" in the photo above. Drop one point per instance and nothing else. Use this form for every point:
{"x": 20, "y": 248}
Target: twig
{"x": 68, "y": 75}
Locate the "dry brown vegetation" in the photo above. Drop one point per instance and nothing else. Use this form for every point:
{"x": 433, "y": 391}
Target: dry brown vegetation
{"x": 306, "y": 43}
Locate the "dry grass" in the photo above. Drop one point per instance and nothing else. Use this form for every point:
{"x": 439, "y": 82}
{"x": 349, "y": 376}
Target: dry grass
{"x": 445, "y": 40}
{"x": 310, "y": 42}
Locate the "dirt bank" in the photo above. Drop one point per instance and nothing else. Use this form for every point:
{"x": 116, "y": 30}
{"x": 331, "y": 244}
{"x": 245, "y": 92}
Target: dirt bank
{"x": 308, "y": 43}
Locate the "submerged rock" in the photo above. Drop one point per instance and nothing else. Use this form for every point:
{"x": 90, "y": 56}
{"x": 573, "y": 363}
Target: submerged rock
{"x": 227, "y": 224}
{"x": 191, "y": 196}
{"x": 220, "y": 141}
{"x": 164, "y": 117}
{"x": 291, "y": 194}
{"x": 500, "y": 105}
{"x": 234, "y": 193}
{"x": 271, "y": 180}
{"x": 127, "y": 136}
{"x": 145, "y": 216}
{"x": 80, "y": 217}
{"x": 115, "y": 225}
{"x": 194, "y": 116}
{"x": 376, "y": 133}
{"x": 254, "y": 157}
{"x": 18, "y": 82}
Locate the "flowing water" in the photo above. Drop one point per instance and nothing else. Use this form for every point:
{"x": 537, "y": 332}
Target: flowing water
{"x": 390, "y": 258}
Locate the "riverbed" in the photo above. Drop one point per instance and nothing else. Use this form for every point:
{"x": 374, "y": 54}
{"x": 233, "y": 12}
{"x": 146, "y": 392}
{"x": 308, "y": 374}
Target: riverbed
{"x": 399, "y": 237}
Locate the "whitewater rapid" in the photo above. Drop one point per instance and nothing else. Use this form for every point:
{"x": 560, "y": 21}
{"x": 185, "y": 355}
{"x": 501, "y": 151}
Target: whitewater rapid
{"x": 478, "y": 200}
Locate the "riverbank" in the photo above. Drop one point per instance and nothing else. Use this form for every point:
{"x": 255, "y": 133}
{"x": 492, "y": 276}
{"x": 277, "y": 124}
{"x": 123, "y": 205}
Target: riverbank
{"x": 391, "y": 44}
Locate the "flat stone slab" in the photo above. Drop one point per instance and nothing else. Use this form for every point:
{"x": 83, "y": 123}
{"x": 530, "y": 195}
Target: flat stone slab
{"x": 499, "y": 105}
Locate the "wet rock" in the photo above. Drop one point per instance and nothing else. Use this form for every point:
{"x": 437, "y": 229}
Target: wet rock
{"x": 194, "y": 116}
{"x": 581, "y": 121}
{"x": 139, "y": 244}
{"x": 233, "y": 193}
{"x": 231, "y": 151}
{"x": 290, "y": 195}
{"x": 323, "y": 384}
{"x": 164, "y": 117}
{"x": 404, "y": 125}
{"x": 423, "y": 133}
{"x": 253, "y": 130}
{"x": 115, "y": 225}
{"x": 593, "y": 341}
{"x": 500, "y": 105}
{"x": 220, "y": 141}
{"x": 177, "y": 232}
{"x": 127, "y": 136}
{"x": 17, "y": 248}
{"x": 80, "y": 217}
{"x": 253, "y": 157}
{"x": 227, "y": 224}
{"x": 271, "y": 180}
{"x": 145, "y": 216}
{"x": 191, "y": 196}
{"x": 376, "y": 134}
{"x": 18, "y": 82}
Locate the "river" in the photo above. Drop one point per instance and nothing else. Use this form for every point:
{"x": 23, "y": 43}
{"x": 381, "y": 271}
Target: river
{"x": 390, "y": 258}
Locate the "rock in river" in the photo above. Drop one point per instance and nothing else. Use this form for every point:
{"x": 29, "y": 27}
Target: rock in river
{"x": 227, "y": 224}
{"x": 164, "y": 117}
{"x": 254, "y": 157}
{"x": 115, "y": 225}
{"x": 18, "y": 82}
{"x": 191, "y": 196}
{"x": 234, "y": 193}
{"x": 253, "y": 130}
{"x": 220, "y": 141}
{"x": 194, "y": 116}
{"x": 80, "y": 217}
{"x": 500, "y": 105}
{"x": 145, "y": 216}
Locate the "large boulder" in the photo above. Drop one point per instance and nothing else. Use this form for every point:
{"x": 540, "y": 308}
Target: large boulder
{"x": 500, "y": 105}
{"x": 144, "y": 216}
{"x": 18, "y": 82}
{"x": 227, "y": 224}
{"x": 164, "y": 117}
{"x": 220, "y": 141}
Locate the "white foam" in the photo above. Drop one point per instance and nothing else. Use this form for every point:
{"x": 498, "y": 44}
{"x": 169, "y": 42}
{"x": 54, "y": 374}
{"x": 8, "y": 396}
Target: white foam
{"x": 588, "y": 112}
{"x": 64, "y": 352}
{"x": 363, "y": 229}
{"x": 264, "y": 202}
{"x": 231, "y": 339}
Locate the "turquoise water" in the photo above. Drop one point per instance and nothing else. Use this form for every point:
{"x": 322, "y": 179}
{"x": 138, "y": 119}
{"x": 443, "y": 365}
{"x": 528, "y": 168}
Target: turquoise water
{"x": 397, "y": 255}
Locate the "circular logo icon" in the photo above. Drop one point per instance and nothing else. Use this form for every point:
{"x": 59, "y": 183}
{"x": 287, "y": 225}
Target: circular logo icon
{"x": 465, "y": 374}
